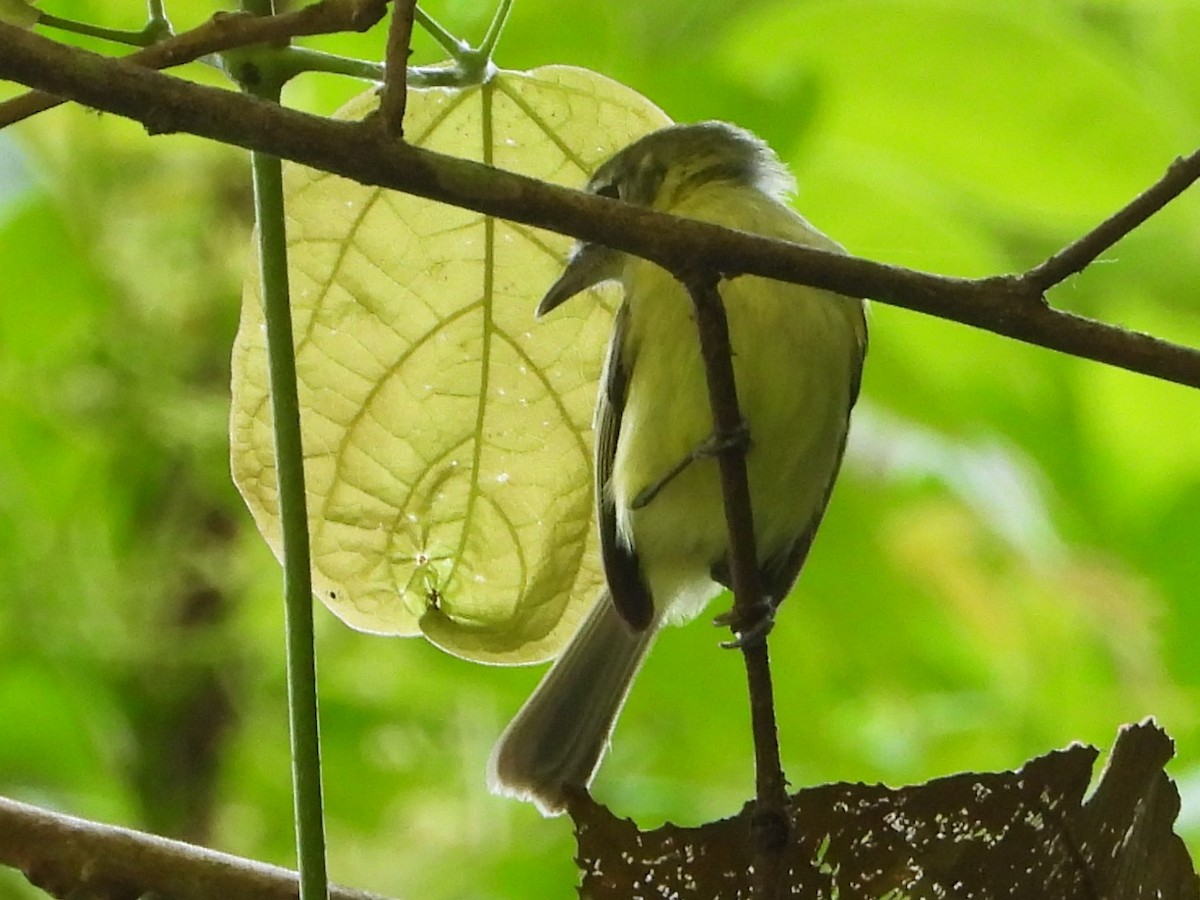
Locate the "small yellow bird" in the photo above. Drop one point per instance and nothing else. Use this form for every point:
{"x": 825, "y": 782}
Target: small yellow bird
{"x": 798, "y": 356}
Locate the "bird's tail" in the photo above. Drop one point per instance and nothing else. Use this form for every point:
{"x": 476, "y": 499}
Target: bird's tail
{"x": 561, "y": 732}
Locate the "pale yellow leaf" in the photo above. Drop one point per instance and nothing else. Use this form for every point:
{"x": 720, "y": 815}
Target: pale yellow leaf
{"x": 447, "y": 433}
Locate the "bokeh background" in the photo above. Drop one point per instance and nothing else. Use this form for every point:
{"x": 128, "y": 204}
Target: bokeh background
{"x": 1009, "y": 564}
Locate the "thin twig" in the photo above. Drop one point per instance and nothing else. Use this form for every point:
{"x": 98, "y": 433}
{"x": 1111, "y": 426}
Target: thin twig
{"x": 394, "y": 96}
{"x": 713, "y": 326}
{"x": 770, "y": 820}
{"x": 62, "y": 854}
{"x": 1078, "y": 255}
{"x": 224, "y": 31}
{"x": 1003, "y": 305}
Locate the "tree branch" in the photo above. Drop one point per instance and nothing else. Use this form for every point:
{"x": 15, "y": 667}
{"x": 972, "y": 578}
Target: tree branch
{"x": 394, "y": 96}
{"x": 769, "y": 836}
{"x": 1008, "y": 305}
{"x": 62, "y": 855}
{"x": 1080, "y": 254}
{"x": 225, "y": 31}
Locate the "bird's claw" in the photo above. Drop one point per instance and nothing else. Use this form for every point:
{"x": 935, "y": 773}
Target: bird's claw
{"x": 750, "y": 627}
{"x": 716, "y": 444}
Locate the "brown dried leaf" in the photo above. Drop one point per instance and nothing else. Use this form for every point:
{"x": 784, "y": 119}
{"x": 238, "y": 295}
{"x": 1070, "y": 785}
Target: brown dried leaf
{"x": 1028, "y": 833}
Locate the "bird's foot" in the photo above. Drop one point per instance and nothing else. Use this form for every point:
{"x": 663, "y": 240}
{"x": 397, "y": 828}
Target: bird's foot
{"x": 750, "y": 627}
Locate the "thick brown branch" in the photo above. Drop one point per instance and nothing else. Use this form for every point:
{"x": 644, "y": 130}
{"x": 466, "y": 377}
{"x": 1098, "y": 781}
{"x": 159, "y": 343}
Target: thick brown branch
{"x": 66, "y": 856}
{"x": 1004, "y": 305}
{"x": 225, "y": 31}
{"x": 394, "y": 96}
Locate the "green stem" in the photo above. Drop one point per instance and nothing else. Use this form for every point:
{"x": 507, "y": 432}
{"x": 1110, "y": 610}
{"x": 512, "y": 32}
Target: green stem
{"x": 144, "y": 38}
{"x": 449, "y": 42}
{"x": 297, "y": 577}
{"x": 291, "y": 61}
{"x": 157, "y": 24}
{"x": 472, "y": 65}
{"x": 293, "y": 513}
{"x": 499, "y": 20}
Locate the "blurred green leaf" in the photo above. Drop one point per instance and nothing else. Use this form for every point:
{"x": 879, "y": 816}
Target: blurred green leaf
{"x": 919, "y": 80}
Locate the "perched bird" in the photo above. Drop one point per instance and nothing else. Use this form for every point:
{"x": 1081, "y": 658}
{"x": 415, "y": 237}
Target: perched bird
{"x": 798, "y": 355}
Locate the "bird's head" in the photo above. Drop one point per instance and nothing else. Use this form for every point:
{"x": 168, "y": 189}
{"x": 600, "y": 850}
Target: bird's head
{"x": 658, "y": 171}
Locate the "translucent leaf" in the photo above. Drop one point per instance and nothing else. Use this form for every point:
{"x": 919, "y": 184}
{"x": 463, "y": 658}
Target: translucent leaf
{"x": 447, "y": 434}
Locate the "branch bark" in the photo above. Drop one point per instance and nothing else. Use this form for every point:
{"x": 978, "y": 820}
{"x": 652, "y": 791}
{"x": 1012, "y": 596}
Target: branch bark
{"x": 769, "y": 823}
{"x": 62, "y": 854}
{"x": 1010, "y": 305}
{"x": 225, "y": 31}
{"x": 394, "y": 96}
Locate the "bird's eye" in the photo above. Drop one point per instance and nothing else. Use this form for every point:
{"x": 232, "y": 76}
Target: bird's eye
{"x": 609, "y": 190}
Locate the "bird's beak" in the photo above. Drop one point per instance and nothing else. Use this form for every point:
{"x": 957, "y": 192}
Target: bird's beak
{"x": 588, "y": 265}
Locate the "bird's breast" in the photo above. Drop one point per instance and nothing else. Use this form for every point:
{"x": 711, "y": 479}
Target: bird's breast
{"x": 792, "y": 351}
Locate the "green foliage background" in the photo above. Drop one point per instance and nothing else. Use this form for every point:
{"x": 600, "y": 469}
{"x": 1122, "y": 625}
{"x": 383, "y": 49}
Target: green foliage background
{"x": 1009, "y": 563}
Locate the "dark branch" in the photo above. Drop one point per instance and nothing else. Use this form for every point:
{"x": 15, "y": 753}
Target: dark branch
{"x": 1005, "y": 305}
{"x": 713, "y": 326}
{"x": 394, "y": 96}
{"x": 770, "y": 819}
{"x": 64, "y": 855}
{"x": 225, "y": 31}
{"x": 1077, "y": 256}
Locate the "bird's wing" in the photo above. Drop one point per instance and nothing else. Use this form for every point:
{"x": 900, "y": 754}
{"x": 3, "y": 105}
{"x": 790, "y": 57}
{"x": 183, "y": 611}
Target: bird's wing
{"x": 630, "y": 593}
{"x": 780, "y": 572}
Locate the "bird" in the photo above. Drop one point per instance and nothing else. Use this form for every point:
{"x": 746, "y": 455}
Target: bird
{"x": 798, "y": 355}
